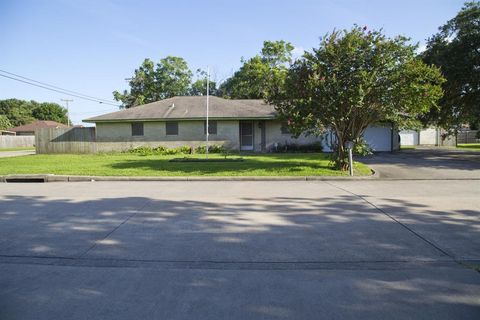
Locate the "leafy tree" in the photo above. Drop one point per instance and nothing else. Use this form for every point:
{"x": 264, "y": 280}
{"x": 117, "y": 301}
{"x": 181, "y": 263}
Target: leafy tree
{"x": 18, "y": 112}
{"x": 355, "y": 79}
{"x": 456, "y": 50}
{"x": 152, "y": 82}
{"x": 5, "y": 123}
{"x": 199, "y": 87}
{"x": 258, "y": 73}
{"x": 49, "y": 111}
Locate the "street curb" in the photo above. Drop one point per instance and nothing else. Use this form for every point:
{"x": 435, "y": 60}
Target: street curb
{"x": 67, "y": 178}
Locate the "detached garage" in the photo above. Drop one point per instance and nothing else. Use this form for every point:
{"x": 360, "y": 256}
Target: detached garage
{"x": 408, "y": 138}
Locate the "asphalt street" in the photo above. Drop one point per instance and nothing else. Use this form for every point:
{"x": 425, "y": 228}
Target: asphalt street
{"x": 240, "y": 250}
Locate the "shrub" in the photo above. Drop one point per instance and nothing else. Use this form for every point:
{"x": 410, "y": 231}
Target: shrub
{"x": 160, "y": 150}
{"x": 362, "y": 148}
{"x": 297, "y": 148}
{"x": 211, "y": 149}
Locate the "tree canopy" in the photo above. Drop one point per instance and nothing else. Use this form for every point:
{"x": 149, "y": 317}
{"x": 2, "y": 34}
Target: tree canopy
{"x": 49, "y": 111}
{"x": 354, "y": 79}
{"x": 456, "y": 50}
{"x": 254, "y": 77}
{"x": 199, "y": 86}
{"x": 19, "y": 112}
{"x": 152, "y": 82}
{"x": 4, "y": 122}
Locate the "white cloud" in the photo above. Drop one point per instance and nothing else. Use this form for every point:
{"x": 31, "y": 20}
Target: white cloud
{"x": 297, "y": 52}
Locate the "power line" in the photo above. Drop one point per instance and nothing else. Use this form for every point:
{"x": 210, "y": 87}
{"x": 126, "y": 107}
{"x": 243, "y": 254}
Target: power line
{"x": 56, "y": 89}
{"x": 93, "y": 112}
{"x": 50, "y": 85}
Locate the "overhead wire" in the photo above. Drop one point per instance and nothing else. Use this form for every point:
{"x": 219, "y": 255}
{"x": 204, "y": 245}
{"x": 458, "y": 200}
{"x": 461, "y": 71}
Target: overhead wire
{"x": 55, "y": 88}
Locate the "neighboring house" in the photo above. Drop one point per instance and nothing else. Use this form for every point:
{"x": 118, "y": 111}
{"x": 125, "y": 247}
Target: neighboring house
{"x": 247, "y": 125}
{"x": 30, "y": 128}
{"x": 7, "y": 133}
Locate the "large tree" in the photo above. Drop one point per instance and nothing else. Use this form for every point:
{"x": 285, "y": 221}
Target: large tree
{"x": 19, "y": 112}
{"x": 456, "y": 50}
{"x": 152, "y": 82}
{"x": 4, "y": 122}
{"x": 354, "y": 79}
{"x": 255, "y": 75}
{"x": 199, "y": 86}
{"x": 49, "y": 111}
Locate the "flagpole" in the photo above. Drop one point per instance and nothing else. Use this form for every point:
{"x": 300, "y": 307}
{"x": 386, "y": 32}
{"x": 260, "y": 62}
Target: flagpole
{"x": 208, "y": 78}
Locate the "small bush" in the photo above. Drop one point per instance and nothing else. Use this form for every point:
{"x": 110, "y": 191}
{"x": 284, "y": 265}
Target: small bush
{"x": 297, "y": 148}
{"x": 211, "y": 149}
{"x": 362, "y": 148}
{"x": 160, "y": 150}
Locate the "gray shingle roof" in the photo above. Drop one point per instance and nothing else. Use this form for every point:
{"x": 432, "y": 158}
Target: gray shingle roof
{"x": 30, "y": 127}
{"x": 194, "y": 107}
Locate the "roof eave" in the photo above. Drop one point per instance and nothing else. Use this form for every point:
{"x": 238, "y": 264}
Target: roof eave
{"x": 179, "y": 119}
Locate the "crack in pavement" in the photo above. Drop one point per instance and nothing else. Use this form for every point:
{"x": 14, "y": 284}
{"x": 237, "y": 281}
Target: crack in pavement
{"x": 224, "y": 264}
{"x": 81, "y": 255}
{"x": 460, "y": 262}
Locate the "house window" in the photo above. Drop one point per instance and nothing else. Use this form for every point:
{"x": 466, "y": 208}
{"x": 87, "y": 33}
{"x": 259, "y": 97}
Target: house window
{"x": 284, "y": 128}
{"x": 171, "y": 128}
{"x": 212, "y": 127}
{"x": 137, "y": 129}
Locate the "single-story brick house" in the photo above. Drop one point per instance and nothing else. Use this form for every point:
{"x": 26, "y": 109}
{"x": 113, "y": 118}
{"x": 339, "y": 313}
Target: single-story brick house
{"x": 247, "y": 125}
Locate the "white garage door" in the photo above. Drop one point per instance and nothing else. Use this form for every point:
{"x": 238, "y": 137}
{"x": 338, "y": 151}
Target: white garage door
{"x": 428, "y": 136}
{"x": 379, "y": 138}
{"x": 408, "y": 138}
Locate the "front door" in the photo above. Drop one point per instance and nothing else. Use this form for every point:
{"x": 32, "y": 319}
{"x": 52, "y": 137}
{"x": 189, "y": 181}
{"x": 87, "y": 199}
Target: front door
{"x": 246, "y": 135}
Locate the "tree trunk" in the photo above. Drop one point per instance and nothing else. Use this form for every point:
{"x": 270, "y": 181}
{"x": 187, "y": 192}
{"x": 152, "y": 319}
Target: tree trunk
{"x": 340, "y": 155}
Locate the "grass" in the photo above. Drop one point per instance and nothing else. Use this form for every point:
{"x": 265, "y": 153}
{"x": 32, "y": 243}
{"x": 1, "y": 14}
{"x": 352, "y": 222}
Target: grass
{"x": 407, "y": 147}
{"x": 469, "y": 146}
{"x": 18, "y": 149}
{"x": 311, "y": 164}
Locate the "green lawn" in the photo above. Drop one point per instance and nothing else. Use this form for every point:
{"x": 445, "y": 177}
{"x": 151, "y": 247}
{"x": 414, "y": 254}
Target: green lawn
{"x": 469, "y": 146}
{"x": 312, "y": 164}
{"x": 17, "y": 149}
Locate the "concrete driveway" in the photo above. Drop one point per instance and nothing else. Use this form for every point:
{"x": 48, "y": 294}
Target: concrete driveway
{"x": 240, "y": 250}
{"x": 426, "y": 163}
{"x": 8, "y": 154}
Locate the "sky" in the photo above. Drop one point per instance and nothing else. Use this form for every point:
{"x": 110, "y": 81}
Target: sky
{"x": 92, "y": 46}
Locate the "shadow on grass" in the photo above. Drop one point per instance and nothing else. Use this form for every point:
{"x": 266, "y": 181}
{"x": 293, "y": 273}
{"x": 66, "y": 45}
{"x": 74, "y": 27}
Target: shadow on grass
{"x": 265, "y": 164}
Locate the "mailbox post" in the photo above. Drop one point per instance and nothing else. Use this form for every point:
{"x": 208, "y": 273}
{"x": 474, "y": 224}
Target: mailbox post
{"x": 349, "y": 145}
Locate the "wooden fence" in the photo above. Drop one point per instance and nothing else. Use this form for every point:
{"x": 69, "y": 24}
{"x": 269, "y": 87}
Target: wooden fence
{"x": 65, "y": 140}
{"x": 467, "y": 136}
{"x": 16, "y": 142}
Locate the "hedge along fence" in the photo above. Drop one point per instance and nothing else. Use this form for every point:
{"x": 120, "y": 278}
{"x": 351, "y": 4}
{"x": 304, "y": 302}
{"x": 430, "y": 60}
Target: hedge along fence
{"x": 16, "y": 142}
{"x": 65, "y": 140}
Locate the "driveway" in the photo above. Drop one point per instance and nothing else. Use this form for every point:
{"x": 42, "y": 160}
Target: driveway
{"x": 240, "y": 250}
{"x": 7, "y": 154}
{"x": 426, "y": 163}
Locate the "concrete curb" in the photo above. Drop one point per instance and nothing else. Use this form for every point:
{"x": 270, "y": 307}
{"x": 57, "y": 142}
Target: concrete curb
{"x": 67, "y": 178}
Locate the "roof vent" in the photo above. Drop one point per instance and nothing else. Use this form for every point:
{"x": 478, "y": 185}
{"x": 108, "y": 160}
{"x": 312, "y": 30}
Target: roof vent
{"x": 173, "y": 105}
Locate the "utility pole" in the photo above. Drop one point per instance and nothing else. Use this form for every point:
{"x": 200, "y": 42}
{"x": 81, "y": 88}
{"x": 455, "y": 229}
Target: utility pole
{"x": 208, "y": 76}
{"x": 66, "y": 105}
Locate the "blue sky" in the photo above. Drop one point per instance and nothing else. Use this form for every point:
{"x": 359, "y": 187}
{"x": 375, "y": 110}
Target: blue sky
{"x": 92, "y": 46}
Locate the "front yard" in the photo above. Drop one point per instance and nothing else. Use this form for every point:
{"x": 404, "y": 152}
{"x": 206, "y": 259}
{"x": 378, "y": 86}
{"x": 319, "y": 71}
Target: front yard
{"x": 310, "y": 164}
{"x": 469, "y": 146}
